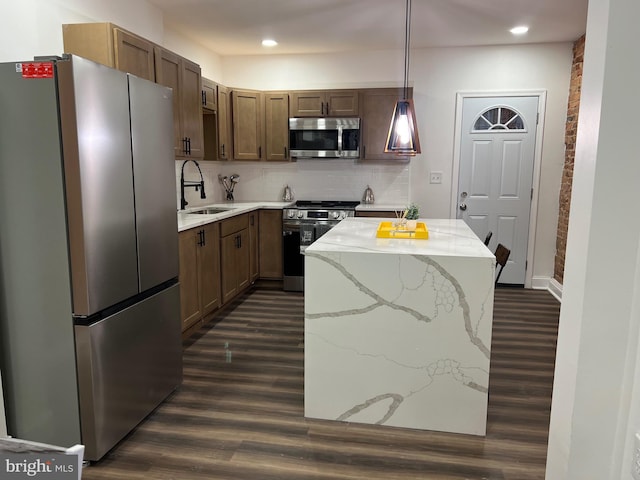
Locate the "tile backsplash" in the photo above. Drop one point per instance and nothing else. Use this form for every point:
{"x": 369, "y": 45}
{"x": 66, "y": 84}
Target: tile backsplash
{"x": 308, "y": 179}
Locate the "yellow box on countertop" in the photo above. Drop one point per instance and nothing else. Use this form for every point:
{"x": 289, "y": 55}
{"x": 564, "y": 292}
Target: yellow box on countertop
{"x": 389, "y": 230}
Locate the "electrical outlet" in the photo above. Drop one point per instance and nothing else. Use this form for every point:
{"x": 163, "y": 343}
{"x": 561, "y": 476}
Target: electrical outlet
{"x": 435, "y": 177}
{"x": 635, "y": 458}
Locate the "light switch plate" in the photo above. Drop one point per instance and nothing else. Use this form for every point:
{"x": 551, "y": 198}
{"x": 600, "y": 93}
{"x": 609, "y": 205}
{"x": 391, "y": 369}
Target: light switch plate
{"x": 435, "y": 177}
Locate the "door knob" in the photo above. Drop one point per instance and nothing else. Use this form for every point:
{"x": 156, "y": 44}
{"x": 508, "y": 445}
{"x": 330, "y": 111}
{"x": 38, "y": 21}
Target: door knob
{"x": 463, "y": 206}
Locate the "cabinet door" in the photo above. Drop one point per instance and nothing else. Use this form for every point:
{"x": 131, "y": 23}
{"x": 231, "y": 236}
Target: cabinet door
{"x": 271, "y": 244}
{"x": 377, "y": 110}
{"x": 307, "y": 104}
{"x": 133, "y": 54}
{"x": 276, "y": 126}
{"x": 191, "y": 103}
{"x": 168, "y": 73}
{"x": 209, "y": 262}
{"x": 247, "y": 125}
{"x": 228, "y": 265}
{"x": 224, "y": 124}
{"x": 254, "y": 229}
{"x": 243, "y": 261}
{"x": 341, "y": 103}
{"x": 188, "y": 276}
{"x": 209, "y": 95}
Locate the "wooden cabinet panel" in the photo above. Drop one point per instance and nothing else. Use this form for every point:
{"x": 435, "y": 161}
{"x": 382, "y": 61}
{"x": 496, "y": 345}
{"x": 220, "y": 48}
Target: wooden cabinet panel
{"x": 209, "y": 263}
{"x": 254, "y": 229}
{"x": 190, "y": 311}
{"x": 247, "y": 124}
{"x": 199, "y": 273}
{"x": 276, "y": 125}
{"x": 307, "y": 104}
{"x": 342, "y": 103}
{"x": 209, "y": 95}
{"x": 191, "y": 101}
{"x": 168, "y": 73}
{"x": 271, "y": 244}
{"x": 90, "y": 40}
{"x": 376, "y": 213}
{"x": 234, "y": 256}
{"x": 324, "y": 103}
{"x": 377, "y": 110}
{"x": 225, "y": 151}
{"x": 183, "y": 77}
{"x": 133, "y": 54}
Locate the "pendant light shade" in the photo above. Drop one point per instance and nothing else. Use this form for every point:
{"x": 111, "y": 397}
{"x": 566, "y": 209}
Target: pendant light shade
{"x": 403, "y": 132}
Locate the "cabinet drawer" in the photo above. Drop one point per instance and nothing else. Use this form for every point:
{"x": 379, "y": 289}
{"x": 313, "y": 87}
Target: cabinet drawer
{"x": 234, "y": 224}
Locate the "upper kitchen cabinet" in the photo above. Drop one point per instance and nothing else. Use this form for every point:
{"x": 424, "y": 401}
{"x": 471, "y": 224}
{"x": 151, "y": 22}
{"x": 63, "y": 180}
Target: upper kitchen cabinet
{"x": 183, "y": 76}
{"x": 324, "y": 103}
{"x": 209, "y": 95}
{"x": 377, "y": 106}
{"x": 276, "y": 126}
{"x": 223, "y": 124}
{"x": 247, "y": 124}
{"x": 110, "y": 45}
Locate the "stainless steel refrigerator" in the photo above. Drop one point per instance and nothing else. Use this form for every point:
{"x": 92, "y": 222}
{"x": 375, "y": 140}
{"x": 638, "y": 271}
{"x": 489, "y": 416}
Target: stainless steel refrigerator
{"x": 89, "y": 300}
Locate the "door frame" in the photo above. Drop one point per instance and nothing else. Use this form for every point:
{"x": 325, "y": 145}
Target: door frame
{"x": 537, "y": 161}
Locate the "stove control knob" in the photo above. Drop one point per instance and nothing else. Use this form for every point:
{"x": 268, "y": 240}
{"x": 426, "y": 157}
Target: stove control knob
{"x": 335, "y": 215}
{"x": 291, "y": 213}
{"x": 300, "y": 214}
{"x": 343, "y": 215}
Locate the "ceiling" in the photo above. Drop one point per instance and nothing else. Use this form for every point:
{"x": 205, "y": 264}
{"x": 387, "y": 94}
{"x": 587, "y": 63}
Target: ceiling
{"x": 237, "y": 27}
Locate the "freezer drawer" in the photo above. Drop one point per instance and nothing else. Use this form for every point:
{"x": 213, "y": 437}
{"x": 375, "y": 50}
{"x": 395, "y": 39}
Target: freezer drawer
{"x": 127, "y": 364}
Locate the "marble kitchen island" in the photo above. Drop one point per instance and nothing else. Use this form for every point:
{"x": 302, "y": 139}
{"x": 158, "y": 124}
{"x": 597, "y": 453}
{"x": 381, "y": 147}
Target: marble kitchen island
{"x": 398, "y": 331}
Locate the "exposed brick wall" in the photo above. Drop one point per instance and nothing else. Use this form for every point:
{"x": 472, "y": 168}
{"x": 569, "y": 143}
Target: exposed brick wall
{"x": 569, "y": 156}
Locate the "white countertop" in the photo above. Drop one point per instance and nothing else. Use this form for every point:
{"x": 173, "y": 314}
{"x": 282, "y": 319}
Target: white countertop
{"x": 447, "y": 237}
{"x": 187, "y": 220}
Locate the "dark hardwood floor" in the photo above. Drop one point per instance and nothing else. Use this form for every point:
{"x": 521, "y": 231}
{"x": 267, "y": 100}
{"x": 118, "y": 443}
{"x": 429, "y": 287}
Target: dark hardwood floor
{"x": 239, "y": 412}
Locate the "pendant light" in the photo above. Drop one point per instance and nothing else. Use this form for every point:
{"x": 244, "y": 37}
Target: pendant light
{"x": 403, "y": 131}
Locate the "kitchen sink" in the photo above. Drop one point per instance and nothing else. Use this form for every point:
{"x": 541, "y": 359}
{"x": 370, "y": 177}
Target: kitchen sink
{"x": 209, "y": 211}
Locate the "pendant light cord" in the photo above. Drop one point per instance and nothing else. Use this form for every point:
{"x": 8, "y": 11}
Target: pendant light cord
{"x": 407, "y": 39}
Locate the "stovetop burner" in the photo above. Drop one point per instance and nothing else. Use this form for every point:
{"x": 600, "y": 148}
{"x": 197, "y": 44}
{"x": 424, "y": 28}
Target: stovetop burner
{"x": 324, "y": 204}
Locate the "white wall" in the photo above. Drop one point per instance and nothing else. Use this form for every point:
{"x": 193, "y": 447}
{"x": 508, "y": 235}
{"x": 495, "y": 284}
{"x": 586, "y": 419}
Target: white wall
{"x": 596, "y": 395}
{"x": 437, "y": 75}
{"x": 34, "y": 27}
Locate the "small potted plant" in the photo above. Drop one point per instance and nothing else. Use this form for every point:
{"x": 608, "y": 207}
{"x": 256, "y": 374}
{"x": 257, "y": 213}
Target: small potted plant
{"x": 412, "y": 213}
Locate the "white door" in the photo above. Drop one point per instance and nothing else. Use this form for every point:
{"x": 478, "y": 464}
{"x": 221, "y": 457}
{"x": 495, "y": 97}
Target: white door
{"x": 496, "y": 173}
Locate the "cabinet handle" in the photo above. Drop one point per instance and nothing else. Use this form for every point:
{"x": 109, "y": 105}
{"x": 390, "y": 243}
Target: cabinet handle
{"x": 321, "y": 108}
{"x": 188, "y": 146}
{"x": 184, "y": 145}
{"x": 285, "y": 152}
{"x": 239, "y": 241}
{"x": 204, "y": 97}
{"x": 260, "y": 152}
{"x": 364, "y": 151}
{"x": 251, "y": 220}
{"x": 204, "y": 238}
{"x": 200, "y": 238}
{"x": 223, "y": 150}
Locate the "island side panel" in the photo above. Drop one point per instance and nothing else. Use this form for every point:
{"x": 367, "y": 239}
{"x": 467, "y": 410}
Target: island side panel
{"x": 400, "y": 340}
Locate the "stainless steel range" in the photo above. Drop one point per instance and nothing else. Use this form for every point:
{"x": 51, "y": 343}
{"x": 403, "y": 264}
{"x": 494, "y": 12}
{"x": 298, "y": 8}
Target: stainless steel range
{"x": 302, "y": 225}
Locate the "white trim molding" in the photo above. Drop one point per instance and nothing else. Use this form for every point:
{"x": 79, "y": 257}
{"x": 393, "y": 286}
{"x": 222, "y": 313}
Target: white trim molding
{"x": 549, "y": 284}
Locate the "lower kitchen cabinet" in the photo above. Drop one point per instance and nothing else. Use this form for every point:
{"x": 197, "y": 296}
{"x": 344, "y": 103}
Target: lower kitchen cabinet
{"x": 234, "y": 256}
{"x": 199, "y": 273}
{"x": 254, "y": 229}
{"x": 271, "y": 244}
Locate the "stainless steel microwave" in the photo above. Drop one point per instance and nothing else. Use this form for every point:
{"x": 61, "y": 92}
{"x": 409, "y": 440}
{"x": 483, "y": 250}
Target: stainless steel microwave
{"x": 324, "y": 137}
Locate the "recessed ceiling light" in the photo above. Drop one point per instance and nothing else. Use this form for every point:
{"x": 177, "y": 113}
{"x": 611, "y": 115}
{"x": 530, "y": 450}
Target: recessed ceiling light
{"x": 269, "y": 43}
{"x": 521, "y": 30}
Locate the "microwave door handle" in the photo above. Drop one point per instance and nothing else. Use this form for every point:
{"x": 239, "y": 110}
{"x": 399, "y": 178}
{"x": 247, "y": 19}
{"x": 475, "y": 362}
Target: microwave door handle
{"x": 339, "y": 141}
